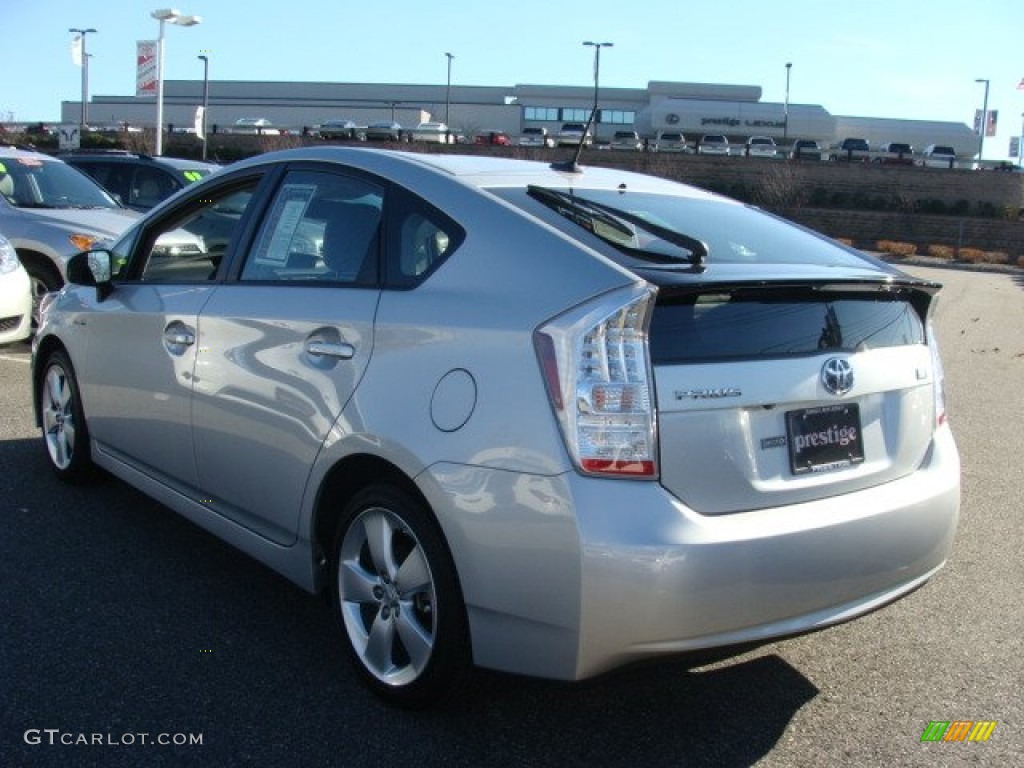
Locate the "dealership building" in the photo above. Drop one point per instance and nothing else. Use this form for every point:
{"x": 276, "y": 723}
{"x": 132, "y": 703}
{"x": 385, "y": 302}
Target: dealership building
{"x": 693, "y": 108}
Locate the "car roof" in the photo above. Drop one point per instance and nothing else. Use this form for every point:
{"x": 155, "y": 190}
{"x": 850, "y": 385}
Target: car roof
{"x": 178, "y": 163}
{"x": 9, "y": 151}
{"x": 485, "y": 171}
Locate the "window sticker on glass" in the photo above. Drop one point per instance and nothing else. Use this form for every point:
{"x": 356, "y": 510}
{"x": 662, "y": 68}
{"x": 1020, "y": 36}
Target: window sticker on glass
{"x": 289, "y": 208}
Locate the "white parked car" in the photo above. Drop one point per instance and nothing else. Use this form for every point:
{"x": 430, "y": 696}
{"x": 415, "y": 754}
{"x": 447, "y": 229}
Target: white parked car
{"x": 713, "y": 144}
{"x": 671, "y": 141}
{"x": 252, "y": 125}
{"x": 571, "y": 134}
{"x": 760, "y": 146}
{"x": 535, "y": 136}
{"x": 434, "y": 132}
{"x": 938, "y": 156}
{"x": 15, "y": 296}
{"x": 628, "y": 140}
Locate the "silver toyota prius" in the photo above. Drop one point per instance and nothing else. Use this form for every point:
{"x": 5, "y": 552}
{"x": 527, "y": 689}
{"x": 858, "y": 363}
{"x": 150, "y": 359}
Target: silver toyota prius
{"x": 541, "y": 419}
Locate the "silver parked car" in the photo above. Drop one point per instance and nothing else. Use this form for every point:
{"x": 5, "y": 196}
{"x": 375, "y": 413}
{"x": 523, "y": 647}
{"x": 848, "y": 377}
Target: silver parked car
{"x": 504, "y": 414}
{"x": 50, "y": 211}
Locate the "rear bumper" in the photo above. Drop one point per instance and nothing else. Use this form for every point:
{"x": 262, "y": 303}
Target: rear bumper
{"x": 675, "y": 581}
{"x": 567, "y": 576}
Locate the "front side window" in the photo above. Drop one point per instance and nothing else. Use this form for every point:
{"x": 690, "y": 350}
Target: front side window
{"x": 189, "y": 246}
{"x": 320, "y": 227}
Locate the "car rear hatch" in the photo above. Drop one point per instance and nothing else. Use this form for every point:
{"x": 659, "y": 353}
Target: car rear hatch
{"x": 778, "y": 391}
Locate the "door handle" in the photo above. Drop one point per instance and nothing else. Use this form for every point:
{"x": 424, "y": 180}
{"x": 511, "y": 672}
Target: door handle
{"x": 340, "y": 350}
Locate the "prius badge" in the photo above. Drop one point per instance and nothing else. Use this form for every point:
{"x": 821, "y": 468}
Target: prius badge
{"x": 837, "y": 376}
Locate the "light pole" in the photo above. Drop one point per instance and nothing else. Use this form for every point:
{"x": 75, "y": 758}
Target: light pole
{"x": 1020, "y": 144}
{"x": 597, "y": 75}
{"x": 448, "y": 102}
{"x": 984, "y": 120}
{"x": 85, "y": 73}
{"x": 785, "y": 109}
{"x": 206, "y": 97}
{"x": 172, "y": 16}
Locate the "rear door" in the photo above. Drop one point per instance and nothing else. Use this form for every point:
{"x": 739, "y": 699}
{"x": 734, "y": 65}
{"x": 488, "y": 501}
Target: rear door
{"x": 283, "y": 345}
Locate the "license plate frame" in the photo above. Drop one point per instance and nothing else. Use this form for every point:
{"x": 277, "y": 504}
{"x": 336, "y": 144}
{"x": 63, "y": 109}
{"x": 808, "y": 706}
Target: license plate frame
{"x": 824, "y": 439}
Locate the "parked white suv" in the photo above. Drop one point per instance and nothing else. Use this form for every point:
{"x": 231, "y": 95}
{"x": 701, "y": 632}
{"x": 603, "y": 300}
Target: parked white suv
{"x": 571, "y": 133}
{"x": 938, "y": 156}
{"x": 671, "y": 141}
{"x": 535, "y": 136}
{"x": 713, "y": 144}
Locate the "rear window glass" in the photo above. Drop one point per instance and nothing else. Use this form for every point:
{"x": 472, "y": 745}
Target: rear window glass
{"x": 712, "y": 327}
{"x": 731, "y": 233}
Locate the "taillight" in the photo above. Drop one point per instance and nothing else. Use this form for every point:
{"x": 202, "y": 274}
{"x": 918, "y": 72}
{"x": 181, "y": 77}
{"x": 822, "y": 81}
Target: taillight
{"x": 938, "y": 379}
{"x": 595, "y": 361}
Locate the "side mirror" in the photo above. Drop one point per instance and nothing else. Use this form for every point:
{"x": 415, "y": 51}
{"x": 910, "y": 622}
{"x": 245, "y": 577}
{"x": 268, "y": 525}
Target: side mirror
{"x": 91, "y": 268}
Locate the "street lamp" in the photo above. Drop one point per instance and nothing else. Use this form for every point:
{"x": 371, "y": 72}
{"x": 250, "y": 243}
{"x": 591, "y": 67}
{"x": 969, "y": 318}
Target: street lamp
{"x": 785, "y": 109}
{"x": 448, "y": 101}
{"x": 85, "y": 73}
{"x": 206, "y": 96}
{"x": 984, "y": 120}
{"x": 597, "y": 75}
{"x": 172, "y": 16}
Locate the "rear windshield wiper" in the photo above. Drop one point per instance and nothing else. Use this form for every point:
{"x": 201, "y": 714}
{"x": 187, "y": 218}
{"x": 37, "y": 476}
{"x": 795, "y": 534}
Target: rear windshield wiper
{"x": 588, "y": 214}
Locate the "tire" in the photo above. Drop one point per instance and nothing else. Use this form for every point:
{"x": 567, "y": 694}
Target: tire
{"x": 397, "y": 600}
{"x": 65, "y": 432}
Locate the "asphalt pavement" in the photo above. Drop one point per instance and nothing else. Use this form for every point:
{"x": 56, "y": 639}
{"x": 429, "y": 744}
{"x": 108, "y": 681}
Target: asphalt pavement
{"x": 129, "y": 637}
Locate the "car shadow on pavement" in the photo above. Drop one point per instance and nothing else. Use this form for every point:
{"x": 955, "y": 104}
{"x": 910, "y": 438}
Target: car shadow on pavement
{"x": 124, "y": 618}
{"x": 657, "y": 714}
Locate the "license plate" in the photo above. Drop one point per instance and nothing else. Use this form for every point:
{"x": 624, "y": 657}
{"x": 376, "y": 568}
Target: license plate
{"x": 824, "y": 439}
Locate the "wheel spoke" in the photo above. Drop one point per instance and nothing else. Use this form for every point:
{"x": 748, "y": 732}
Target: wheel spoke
{"x": 356, "y": 584}
{"x": 378, "y": 645}
{"x": 58, "y": 449}
{"x": 69, "y": 436}
{"x": 418, "y": 642}
{"x": 379, "y": 535}
{"x": 53, "y": 387}
{"x": 414, "y": 575}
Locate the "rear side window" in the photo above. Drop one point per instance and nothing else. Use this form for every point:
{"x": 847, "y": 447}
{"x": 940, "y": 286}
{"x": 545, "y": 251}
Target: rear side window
{"x": 420, "y": 238}
{"x": 728, "y": 326}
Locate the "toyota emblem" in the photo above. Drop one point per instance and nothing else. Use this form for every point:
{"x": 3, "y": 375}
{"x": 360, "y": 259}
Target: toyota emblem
{"x": 837, "y": 376}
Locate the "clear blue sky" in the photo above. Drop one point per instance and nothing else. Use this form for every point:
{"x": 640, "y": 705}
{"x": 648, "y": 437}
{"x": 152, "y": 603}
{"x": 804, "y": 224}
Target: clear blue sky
{"x": 872, "y": 58}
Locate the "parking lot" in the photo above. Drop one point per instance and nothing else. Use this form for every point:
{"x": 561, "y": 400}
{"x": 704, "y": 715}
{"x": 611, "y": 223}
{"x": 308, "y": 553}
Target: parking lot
{"x": 122, "y": 619}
